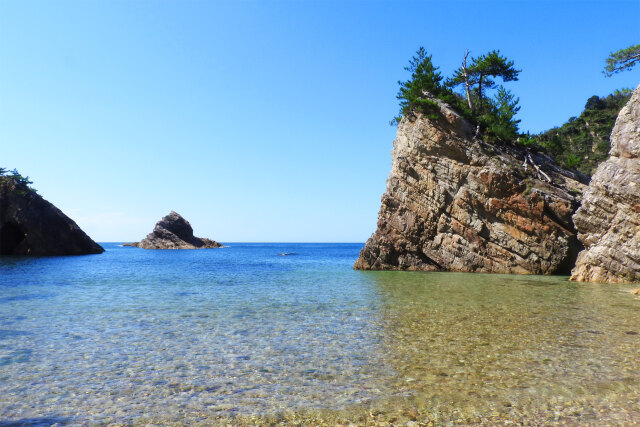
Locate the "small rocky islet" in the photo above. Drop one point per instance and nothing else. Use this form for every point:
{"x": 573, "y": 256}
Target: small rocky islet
{"x": 174, "y": 232}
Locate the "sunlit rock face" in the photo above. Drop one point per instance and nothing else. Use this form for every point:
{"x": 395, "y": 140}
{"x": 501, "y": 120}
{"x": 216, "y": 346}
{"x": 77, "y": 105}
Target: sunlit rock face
{"x": 608, "y": 221}
{"x": 454, "y": 202}
{"x": 174, "y": 232}
{"x": 30, "y": 225}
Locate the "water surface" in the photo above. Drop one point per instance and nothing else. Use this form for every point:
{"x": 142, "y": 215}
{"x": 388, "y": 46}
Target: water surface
{"x": 244, "y": 334}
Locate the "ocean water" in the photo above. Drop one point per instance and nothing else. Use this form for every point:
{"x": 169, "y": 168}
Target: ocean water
{"x": 246, "y": 335}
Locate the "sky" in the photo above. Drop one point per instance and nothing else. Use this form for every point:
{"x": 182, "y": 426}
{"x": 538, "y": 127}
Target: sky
{"x": 261, "y": 121}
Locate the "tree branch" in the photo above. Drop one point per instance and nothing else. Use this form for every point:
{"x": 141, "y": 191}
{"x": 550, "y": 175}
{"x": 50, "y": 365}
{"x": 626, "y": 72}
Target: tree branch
{"x": 466, "y": 81}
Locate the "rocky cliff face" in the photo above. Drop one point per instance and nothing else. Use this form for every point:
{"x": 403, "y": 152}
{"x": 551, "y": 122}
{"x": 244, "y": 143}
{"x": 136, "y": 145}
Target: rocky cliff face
{"x": 608, "y": 221}
{"x": 456, "y": 203}
{"x": 174, "y": 232}
{"x": 29, "y": 225}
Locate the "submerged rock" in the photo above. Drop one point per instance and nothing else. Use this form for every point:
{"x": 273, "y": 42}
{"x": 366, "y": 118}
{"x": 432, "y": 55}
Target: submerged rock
{"x": 454, "y": 202}
{"x": 608, "y": 221}
{"x": 174, "y": 232}
{"x": 30, "y": 225}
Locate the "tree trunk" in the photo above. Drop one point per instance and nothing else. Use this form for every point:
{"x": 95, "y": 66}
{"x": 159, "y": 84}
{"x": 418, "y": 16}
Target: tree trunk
{"x": 480, "y": 94}
{"x": 466, "y": 81}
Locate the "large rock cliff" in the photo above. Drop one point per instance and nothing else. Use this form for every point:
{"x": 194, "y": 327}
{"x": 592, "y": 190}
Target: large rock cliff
{"x": 608, "y": 221}
{"x": 30, "y": 225}
{"x": 174, "y": 232}
{"x": 454, "y": 202}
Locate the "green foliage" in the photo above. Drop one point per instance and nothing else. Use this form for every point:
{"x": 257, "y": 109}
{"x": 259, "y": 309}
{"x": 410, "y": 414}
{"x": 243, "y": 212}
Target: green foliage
{"x": 425, "y": 79}
{"x": 498, "y": 119}
{"x": 6, "y": 174}
{"x": 526, "y": 140}
{"x": 572, "y": 160}
{"x": 583, "y": 142}
{"x": 480, "y": 74}
{"x": 494, "y": 115}
{"x": 622, "y": 60}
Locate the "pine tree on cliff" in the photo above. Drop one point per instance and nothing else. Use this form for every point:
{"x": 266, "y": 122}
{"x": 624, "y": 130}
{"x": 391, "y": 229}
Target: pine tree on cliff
{"x": 424, "y": 78}
{"x": 501, "y": 122}
{"x": 479, "y": 75}
{"x": 622, "y": 60}
{"x": 495, "y": 115}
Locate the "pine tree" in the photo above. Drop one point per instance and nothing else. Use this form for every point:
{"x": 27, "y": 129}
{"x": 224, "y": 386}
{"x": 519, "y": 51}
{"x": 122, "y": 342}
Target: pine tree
{"x": 622, "y": 60}
{"x": 479, "y": 75}
{"x": 425, "y": 79}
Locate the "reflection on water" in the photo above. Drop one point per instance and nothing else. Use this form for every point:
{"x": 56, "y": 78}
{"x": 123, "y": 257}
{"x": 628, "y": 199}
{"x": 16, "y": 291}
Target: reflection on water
{"x": 245, "y": 336}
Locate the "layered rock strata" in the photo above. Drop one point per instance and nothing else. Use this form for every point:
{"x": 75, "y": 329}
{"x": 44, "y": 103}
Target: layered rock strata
{"x": 174, "y": 232}
{"x": 608, "y": 222}
{"x": 30, "y": 225}
{"x": 454, "y": 202}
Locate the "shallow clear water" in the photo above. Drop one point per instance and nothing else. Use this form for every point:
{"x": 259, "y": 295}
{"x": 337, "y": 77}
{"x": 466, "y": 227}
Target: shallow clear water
{"x": 242, "y": 333}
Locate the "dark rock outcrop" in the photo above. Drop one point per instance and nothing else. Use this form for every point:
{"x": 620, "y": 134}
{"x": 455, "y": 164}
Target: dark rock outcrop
{"x": 454, "y": 202}
{"x": 174, "y": 232}
{"x": 30, "y": 225}
{"x": 608, "y": 221}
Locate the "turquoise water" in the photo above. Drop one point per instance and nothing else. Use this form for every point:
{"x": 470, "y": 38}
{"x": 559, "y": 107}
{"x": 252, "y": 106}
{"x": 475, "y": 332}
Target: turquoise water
{"x": 244, "y": 335}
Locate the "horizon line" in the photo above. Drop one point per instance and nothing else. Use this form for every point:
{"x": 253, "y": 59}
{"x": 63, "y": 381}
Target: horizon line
{"x": 255, "y": 242}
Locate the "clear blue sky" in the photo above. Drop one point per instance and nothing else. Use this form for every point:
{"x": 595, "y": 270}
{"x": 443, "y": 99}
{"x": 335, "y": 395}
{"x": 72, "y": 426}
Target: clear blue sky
{"x": 261, "y": 120}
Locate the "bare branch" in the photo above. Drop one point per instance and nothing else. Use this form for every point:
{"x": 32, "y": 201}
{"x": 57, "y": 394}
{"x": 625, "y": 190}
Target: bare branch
{"x": 466, "y": 81}
{"x": 540, "y": 172}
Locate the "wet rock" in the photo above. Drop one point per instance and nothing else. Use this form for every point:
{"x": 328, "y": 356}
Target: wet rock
{"x": 30, "y": 225}
{"x": 174, "y": 232}
{"x": 608, "y": 222}
{"x": 454, "y": 202}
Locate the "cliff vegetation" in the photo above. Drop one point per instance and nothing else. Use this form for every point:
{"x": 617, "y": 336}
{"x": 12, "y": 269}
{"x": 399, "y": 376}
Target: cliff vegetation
{"x": 21, "y": 182}
{"x": 488, "y": 105}
{"x": 474, "y": 91}
{"x": 583, "y": 142}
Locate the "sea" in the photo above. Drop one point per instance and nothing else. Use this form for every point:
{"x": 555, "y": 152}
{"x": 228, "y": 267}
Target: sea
{"x": 290, "y": 334}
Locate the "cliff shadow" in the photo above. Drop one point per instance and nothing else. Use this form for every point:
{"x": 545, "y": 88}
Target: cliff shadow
{"x": 11, "y": 235}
